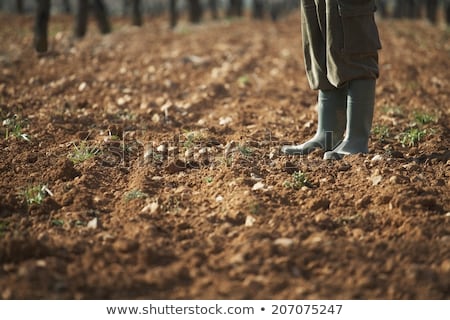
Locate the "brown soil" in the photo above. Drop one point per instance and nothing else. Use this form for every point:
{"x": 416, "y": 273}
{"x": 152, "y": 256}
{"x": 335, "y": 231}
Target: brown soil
{"x": 186, "y": 194}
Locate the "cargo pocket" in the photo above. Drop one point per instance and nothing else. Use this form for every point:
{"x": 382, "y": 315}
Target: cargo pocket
{"x": 360, "y": 33}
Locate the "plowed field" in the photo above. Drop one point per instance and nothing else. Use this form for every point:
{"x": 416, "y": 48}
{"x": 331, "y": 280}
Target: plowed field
{"x": 146, "y": 164}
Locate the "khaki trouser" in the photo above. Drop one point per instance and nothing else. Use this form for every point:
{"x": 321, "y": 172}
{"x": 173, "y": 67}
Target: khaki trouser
{"x": 340, "y": 41}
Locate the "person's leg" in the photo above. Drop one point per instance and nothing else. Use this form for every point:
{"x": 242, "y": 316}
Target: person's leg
{"x": 330, "y": 125}
{"x": 331, "y": 100}
{"x": 352, "y": 29}
{"x": 360, "y": 105}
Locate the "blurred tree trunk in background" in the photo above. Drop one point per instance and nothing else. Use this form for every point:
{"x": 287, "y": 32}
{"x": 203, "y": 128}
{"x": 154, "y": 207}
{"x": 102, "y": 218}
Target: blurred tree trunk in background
{"x": 381, "y": 6}
{"x": 213, "y": 8}
{"x": 137, "y": 13}
{"x": 406, "y": 9}
{"x": 125, "y": 4}
{"x": 195, "y": 11}
{"x": 258, "y": 9}
{"x": 173, "y": 13}
{"x": 397, "y": 12}
{"x": 101, "y": 16}
{"x": 81, "y": 17}
{"x": 447, "y": 12}
{"x": 276, "y": 8}
{"x": 19, "y": 6}
{"x": 432, "y": 6}
{"x": 41, "y": 25}
{"x": 235, "y": 8}
{"x": 67, "y": 8}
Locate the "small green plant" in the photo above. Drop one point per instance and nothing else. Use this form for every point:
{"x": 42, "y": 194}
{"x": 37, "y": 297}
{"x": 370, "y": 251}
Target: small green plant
{"x": 208, "y": 179}
{"x": 35, "y": 194}
{"x": 243, "y": 80}
{"x": 192, "y": 138}
{"x": 14, "y": 126}
{"x": 393, "y": 110}
{"x": 254, "y": 208}
{"x": 422, "y": 118}
{"x": 245, "y": 150}
{"x": 381, "y": 132}
{"x": 297, "y": 181}
{"x": 83, "y": 152}
{"x": 157, "y": 157}
{"x": 412, "y": 137}
{"x": 79, "y": 223}
{"x": 135, "y": 194}
{"x": 57, "y": 222}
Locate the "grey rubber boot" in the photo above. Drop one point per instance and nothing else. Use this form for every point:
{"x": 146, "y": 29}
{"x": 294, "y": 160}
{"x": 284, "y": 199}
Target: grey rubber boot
{"x": 330, "y": 126}
{"x": 360, "y": 104}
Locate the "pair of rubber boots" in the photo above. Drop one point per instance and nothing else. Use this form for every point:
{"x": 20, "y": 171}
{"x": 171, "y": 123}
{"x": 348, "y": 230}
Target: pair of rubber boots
{"x": 348, "y": 109}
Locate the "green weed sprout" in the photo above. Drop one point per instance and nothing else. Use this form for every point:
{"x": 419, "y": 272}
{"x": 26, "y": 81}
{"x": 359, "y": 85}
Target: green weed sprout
{"x": 83, "y": 152}
{"x": 412, "y": 137}
{"x": 298, "y": 180}
{"x": 36, "y": 194}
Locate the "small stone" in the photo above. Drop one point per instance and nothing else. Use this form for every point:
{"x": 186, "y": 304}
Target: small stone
{"x": 41, "y": 263}
{"x": 358, "y": 233}
{"x": 121, "y": 101}
{"x": 237, "y": 259}
{"x": 321, "y": 217}
{"x": 255, "y": 177}
{"x": 161, "y": 148}
{"x": 156, "y": 118}
{"x": 249, "y": 221}
{"x": 225, "y": 120}
{"x": 308, "y": 124}
{"x": 284, "y": 242}
{"x": 150, "y": 208}
{"x": 258, "y": 186}
{"x": 314, "y": 238}
{"x": 82, "y": 86}
{"x": 93, "y": 224}
{"x": 195, "y": 60}
{"x": 395, "y": 180}
{"x": 219, "y": 198}
{"x": 376, "y": 179}
{"x": 445, "y": 266}
{"x": 377, "y": 157}
{"x": 410, "y": 166}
